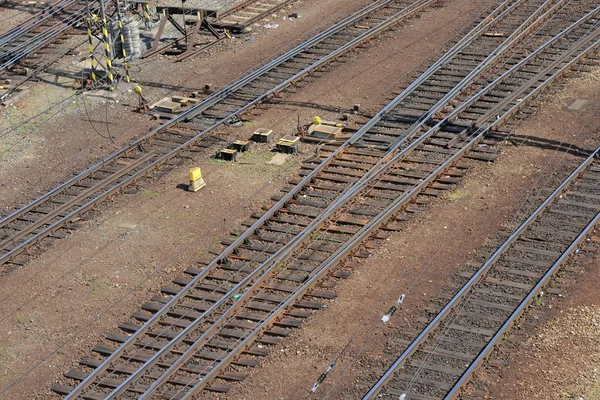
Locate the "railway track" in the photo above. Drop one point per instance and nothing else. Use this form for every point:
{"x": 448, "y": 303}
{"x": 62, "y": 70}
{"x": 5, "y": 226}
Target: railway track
{"x": 39, "y": 30}
{"x": 221, "y": 317}
{"x": 54, "y": 213}
{"x": 24, "y": 49}
{"x": 247, "y": 13}
{"x": 442, "y": 359}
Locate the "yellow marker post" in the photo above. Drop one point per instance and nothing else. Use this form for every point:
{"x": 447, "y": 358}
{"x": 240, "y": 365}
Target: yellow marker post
{"x": 143, "y": 103}
{"x": 196, "y": 180}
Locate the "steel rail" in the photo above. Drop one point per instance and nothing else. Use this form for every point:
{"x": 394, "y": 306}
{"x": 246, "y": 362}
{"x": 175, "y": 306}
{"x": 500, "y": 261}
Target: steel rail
{"x": 399, "y": 203}
{"x": 403, "y": 14}
{"x": 28, "y": 22}
{"x": 81, "y": 196}
{"x": 243, "y": 5}
{"x": 33, "y": 21}
{"x": 453, "y": 394}
{"x": 530, "y": 24}
{"x": 513, "y": 39}
{"x": 388, "y": 162}
{"x": 343, "y": 251}
{"x": 514, "y": 94}
{"x": 14, "y": 215}
{"x": 120, "y": 389}
{"x": 38, "y": 68}
{"x": 211, "y": 100}
{"x": 24, "y": 48}
{"x": 279, "y": 256}
{"x": 374, "y": 391}
{"x": 85, "y": 383}
{"x": 39, "y": 35}
{"x": 24, "y": 28}
{"x": 433, "y": 324}
{"x": 216, "y": 22}
{"x": 149, "y": 363}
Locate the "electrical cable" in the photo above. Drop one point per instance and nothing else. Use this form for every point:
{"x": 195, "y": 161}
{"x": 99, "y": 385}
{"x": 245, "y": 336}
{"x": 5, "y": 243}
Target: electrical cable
{"x": 438, "y": 340}
{"x": 476, "y": 286}
{"x": 138, "y": 65}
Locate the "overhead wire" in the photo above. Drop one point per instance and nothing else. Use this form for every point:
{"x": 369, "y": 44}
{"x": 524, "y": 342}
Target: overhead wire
{"x": 446, "y": 326}
{"x": 138, "y": 65}
{"x": 267, "y": 283}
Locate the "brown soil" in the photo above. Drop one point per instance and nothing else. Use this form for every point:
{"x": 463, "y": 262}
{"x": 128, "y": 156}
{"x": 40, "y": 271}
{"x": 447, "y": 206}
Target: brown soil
{"x": 139, "y": 243}
{"x": 560, "y": 358}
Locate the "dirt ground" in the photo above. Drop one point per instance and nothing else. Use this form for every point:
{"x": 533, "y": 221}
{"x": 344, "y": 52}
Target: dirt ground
{"x": 561, "y": 360}
{"x": 84, "y": 286}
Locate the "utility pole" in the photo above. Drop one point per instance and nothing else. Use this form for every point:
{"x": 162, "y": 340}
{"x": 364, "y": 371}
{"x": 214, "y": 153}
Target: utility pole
{"x": 108, "y": 49}
{"x": 102, "y": 18}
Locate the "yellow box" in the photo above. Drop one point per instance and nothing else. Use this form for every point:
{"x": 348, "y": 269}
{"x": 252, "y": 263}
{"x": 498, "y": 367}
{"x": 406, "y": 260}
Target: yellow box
{"x": 288, "y": 140}
{"x": 263, "y": 131}
{"x": 195, "y": 174}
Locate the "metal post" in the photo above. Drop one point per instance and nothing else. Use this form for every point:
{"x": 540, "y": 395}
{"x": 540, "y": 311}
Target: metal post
{"x": 184, "y": 27}
{"x": 122, "y": 37}
{"x": 107, "y": 48}
{"x": 90, "y": 40}
{"x": 146, "y": 16}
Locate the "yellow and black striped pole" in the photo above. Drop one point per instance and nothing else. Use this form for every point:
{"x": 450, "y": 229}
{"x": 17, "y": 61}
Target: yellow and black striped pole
{"x": 91, "y": 44}
{"x": 108, "y": 55}
{"x": 147, "y": 15}
{"x": 120, "y": 20}
{"x": 107, "y": 51}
